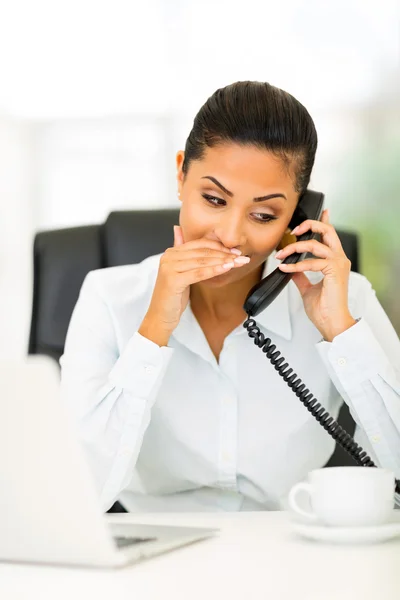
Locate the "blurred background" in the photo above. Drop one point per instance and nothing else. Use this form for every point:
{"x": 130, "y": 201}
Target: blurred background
{"x": 96, "y": 97}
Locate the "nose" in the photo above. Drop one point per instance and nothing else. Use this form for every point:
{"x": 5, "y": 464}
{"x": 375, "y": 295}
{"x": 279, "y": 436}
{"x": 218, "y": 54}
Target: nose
{"x": 229, "y": 231}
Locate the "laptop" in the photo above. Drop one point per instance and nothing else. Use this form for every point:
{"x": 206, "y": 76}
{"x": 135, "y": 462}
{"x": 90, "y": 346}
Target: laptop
{"x": 49, "y": 507}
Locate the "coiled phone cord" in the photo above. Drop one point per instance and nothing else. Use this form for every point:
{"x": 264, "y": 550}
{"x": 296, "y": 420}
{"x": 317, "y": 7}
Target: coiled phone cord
{"x": 339, "y": 434}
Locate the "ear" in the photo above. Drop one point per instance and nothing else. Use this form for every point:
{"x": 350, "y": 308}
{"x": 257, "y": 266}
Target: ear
{"x": 180, "y": 156}
{"x": 287, "y": 238}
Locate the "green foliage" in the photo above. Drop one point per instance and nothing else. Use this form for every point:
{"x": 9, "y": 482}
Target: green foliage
{"x": 367, "y": 200}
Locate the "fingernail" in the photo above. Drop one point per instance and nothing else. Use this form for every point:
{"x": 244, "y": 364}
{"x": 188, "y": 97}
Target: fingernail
{"x": 228, "y": 265}
{"x": 278, "y": 254}
{"x": 236, "y": 251}
{"x": 242, "y": 260}
{"x": 295, "y": 230}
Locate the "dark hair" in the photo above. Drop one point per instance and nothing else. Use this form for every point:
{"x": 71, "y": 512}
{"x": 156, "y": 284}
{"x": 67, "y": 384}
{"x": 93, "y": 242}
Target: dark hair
{"x": 256, "y": 113}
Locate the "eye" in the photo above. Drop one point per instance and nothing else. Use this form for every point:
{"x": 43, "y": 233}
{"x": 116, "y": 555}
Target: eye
{"x": 264, "y": 218}
{"x": 213, "y": 200}
{"x": 258, "y": 217}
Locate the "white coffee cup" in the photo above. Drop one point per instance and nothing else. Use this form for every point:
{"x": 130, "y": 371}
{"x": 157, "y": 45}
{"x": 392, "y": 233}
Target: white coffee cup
{"x": 347, "y": 496}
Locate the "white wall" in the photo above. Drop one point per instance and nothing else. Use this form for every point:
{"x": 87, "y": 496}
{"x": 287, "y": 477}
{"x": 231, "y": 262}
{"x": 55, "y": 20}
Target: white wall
{"x": 87, "y": 167}
{"x": 17, "y": 224}
{"x": 97, "y": 97}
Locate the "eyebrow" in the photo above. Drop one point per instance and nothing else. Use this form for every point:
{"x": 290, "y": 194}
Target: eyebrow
{"x": 259, "y": 199}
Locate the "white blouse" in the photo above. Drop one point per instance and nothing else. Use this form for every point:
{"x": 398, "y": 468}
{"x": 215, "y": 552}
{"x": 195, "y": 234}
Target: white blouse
{"x": 170, "y": 428}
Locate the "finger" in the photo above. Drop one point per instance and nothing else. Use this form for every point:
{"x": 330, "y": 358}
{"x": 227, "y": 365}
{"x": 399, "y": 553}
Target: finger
{"x": 203, "y": 273}
{"x": 325, "y": 216}
{"x": 319, "y": 250}
{"x": 302, "y": 282}
{"x": 178, "y": 236}
{"x": 206, "y": 262}
{"x": 328, "y": 232}
{"x": 305, "y": 265}
{"x": 197, "y": 253}
{"x": 205, "y": 243}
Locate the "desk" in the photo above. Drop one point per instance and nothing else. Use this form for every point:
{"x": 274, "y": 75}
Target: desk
{"x": 254, "y": 557}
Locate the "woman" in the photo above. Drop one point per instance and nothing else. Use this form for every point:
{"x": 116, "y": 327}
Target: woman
{"x": 177, "y": 408}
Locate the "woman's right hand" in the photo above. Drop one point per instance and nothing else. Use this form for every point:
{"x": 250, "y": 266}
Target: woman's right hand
{"x": 180, "y": 267}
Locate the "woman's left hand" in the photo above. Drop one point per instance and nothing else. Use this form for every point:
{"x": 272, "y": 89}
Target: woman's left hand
{"x": 325, "y": 303}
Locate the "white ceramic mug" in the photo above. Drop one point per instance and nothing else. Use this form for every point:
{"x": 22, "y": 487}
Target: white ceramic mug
{"x": 347, "y": 496}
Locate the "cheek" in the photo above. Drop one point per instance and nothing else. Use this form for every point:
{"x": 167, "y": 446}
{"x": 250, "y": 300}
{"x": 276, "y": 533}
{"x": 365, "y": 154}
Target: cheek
{"x": 267, "y": 240}
{"x": 195, "y": 221}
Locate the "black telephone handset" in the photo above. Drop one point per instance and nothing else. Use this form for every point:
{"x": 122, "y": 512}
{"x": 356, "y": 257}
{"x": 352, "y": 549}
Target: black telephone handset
{"x": 310, "y": 206}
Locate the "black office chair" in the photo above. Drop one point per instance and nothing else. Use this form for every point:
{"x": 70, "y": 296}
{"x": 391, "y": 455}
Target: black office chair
{"x": 63, "y": 257}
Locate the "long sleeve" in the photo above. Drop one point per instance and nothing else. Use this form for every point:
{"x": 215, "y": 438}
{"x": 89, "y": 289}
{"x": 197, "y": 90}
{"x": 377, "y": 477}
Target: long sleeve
{"x": 363, "y": 363}
{"x": 110, "y": 395}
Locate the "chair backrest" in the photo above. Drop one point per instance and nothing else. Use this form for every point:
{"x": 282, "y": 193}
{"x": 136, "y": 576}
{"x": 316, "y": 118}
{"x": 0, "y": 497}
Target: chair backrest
{"x": 62, "y": 259}
{"x": 131, "y": 236}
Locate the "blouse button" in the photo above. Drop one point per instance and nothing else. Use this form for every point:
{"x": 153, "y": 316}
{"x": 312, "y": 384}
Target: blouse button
{"x": 341, "y": 362}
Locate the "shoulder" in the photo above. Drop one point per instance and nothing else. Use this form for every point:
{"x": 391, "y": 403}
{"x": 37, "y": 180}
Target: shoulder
{"x": 123, "y": 284}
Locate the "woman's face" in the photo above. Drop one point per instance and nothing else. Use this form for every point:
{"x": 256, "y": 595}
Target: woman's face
{"x": 221, "y": 199}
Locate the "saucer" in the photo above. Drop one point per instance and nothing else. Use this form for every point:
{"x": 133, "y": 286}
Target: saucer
{"x": 347, "y": 535}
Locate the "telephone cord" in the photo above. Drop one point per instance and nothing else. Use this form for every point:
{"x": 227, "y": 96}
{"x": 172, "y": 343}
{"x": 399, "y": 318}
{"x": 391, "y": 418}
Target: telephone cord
{"x": 339, "y": 434}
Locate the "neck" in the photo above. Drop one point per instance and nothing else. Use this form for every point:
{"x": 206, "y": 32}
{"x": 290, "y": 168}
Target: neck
{"x": 222, "y": 303}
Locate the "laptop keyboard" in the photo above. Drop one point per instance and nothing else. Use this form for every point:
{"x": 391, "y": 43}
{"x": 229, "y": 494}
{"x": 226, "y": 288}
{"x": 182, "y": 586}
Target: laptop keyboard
{"x": 123, "y": 542}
